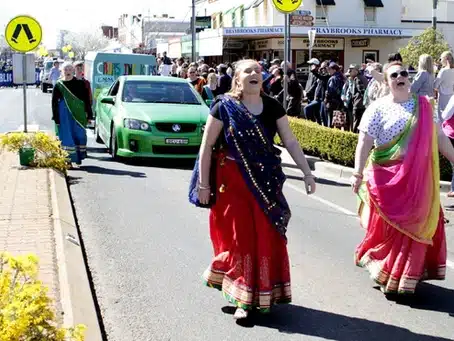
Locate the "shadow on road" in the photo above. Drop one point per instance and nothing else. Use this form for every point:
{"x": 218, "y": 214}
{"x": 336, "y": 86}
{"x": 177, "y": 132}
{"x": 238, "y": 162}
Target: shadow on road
{"x": 183, "y": 164}
{"x": 73, "y": 180}
{"x": 293, "y": 319}
{"x": 429, "y": 297}
{"x": 109, "y": 171}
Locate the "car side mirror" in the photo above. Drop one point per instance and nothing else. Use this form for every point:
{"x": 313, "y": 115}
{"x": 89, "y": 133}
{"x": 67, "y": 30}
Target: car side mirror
{"x": 108, "y": 100}
{"x": 208, "y": 102}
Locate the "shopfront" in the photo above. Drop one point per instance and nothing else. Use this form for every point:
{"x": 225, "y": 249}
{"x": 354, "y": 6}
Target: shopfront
{"x": 331, "y": 49}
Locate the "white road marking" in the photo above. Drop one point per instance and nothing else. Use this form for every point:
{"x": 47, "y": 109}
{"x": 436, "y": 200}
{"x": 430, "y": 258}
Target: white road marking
{"x": 323, "y": 201}
{"x": 449, "y": 263}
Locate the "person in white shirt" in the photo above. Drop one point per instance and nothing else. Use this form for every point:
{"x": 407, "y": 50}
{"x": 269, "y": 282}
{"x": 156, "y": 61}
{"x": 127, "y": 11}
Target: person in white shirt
{"x": 444, "y": 82}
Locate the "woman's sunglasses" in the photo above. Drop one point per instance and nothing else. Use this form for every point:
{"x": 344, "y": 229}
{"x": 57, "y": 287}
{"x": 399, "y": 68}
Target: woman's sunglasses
{"x": 402, "y": 73}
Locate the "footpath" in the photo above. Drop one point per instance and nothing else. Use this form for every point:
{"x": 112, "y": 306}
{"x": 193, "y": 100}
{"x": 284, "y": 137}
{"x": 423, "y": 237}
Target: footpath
{"x": 36, "y": 216}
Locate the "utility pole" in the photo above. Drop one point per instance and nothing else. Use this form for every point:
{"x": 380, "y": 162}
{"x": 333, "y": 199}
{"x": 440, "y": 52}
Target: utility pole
{"x": 434, "y": 14}
{"x": 194, "y": 32}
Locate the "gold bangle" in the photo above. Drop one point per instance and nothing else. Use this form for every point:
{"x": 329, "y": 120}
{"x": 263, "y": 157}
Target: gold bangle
{"x": 357, "y": 175}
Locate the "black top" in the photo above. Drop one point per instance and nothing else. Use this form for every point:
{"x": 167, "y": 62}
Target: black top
{"x": 78, "y": 89}
{"x": 272, "y": 111}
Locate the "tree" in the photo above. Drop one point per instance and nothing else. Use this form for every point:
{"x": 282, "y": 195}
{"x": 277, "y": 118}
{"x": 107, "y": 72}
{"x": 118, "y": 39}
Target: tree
{"x": 82, "y": 42}
{"x": 430, "y": 42}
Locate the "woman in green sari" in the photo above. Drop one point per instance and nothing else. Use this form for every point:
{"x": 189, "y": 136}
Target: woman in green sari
{"x": 71, "y": 111}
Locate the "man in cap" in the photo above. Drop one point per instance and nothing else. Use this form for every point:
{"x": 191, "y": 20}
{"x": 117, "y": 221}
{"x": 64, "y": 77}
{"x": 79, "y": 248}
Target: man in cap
{"x": 355, "y": 94}
{"x": 312, "y": 109}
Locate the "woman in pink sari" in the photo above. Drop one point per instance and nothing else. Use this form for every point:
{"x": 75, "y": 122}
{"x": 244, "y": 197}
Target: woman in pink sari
{"x": 398, "y": 188}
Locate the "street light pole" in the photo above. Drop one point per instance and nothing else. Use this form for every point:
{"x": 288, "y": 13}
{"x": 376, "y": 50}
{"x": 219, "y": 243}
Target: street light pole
{"x": 193, "y": 32}
{"x": 434, "y": 14}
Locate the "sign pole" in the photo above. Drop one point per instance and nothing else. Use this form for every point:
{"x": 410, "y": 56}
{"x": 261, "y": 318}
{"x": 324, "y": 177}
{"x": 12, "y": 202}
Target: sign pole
{"x": 24, "y": 78}
{"x": 23, "y": 34}
{"x": 286, "y": 8}
{"x": 286, "y": 59}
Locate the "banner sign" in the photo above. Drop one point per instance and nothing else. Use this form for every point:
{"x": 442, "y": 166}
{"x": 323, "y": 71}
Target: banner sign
{"x": 6, "y": 78}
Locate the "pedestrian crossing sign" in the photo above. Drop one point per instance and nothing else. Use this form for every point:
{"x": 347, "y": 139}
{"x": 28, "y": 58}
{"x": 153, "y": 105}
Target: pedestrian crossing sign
{"x": 23, "y": 33}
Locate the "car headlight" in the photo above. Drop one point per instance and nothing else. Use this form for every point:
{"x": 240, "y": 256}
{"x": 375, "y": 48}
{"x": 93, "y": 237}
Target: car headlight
{"x": 136, "y": 124}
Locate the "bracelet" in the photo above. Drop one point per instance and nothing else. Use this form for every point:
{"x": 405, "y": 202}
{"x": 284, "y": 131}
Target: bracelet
{"x": 311, "y": 176}
{"x": 357, "y": 175}
{"x": 204, "y": 187}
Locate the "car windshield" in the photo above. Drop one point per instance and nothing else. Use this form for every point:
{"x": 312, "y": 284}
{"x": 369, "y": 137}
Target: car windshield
{"x": 159, "y": 92}
{"x": 48, "y": 66}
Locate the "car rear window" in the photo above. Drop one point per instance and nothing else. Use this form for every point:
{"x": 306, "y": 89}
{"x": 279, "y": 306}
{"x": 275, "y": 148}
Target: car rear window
{"x": 159, "y": 92}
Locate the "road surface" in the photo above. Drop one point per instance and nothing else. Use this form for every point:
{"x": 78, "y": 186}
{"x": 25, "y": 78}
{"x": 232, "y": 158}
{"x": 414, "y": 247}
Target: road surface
{"x": 147, "y": 249}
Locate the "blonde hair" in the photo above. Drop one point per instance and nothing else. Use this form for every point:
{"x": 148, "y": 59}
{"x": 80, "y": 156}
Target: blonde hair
{"x": 426, "y": 63}
{"x": 449, "y": 58}
{"x": 212, "y": 79}
{"x": 236, "y": 92}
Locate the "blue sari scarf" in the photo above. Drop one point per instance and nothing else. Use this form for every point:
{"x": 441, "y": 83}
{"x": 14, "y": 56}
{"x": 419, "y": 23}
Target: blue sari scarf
{"x": 257, "y": 159}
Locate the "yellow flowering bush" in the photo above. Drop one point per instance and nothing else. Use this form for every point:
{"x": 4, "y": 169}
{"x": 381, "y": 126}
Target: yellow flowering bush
{"x": 26, "y": 312}
{"x": 48, "y": 151}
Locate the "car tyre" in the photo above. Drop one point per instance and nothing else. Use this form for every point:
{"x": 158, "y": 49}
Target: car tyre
{"x": 98, "y": 138}
{"x": 113, "y": 144}
{"x": 44, "y": 87}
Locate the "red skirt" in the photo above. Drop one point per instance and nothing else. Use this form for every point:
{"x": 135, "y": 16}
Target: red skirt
{"x": 395, "y": 261}
{"x": 250, "y": 264}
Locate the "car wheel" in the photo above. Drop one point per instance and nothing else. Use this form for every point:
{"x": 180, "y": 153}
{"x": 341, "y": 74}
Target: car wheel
{"x": 44, "y": 87}
{"x": 113, "y": 144}
{"x": 98, "y": 138}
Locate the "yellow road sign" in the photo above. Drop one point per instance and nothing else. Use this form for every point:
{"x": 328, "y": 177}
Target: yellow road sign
{"x": 287, "y": 6}
{"x": 23, "y": 33}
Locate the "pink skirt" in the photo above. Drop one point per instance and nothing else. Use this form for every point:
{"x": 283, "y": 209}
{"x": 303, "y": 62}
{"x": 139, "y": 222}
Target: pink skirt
{"x": 397, "y": 262}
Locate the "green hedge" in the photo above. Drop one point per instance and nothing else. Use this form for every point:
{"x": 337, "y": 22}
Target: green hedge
{"x": 337, "y": 146}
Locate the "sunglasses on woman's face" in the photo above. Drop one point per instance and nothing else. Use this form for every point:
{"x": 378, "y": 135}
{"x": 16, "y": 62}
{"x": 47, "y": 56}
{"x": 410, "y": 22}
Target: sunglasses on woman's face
{"x": 403, "y": 73}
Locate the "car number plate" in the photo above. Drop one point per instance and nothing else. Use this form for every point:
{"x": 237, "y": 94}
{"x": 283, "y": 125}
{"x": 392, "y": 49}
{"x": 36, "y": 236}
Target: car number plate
{"x": 177, "y": 141}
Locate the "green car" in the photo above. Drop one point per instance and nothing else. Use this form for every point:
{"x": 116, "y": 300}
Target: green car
{"x": 151, "y": 116}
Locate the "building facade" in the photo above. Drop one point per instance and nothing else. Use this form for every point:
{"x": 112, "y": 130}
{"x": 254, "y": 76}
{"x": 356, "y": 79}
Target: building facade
{"x": 348, "y": 31}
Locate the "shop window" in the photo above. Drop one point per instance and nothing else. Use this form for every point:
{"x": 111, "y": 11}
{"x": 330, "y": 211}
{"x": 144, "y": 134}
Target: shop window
{"x": 320, "y": 14}
{"x": 370, "y": 14}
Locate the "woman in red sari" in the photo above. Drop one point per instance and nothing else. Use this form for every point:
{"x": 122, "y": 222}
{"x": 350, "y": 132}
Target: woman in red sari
{"x": 399, "y": 188}
{"x": 239, "y": 176}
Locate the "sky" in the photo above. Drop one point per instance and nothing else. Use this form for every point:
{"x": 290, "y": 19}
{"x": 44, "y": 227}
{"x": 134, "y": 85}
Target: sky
{"x": 85, "y": 15}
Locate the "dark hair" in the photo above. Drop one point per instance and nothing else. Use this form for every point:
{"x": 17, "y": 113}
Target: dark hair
{"x": 394, "y": 57}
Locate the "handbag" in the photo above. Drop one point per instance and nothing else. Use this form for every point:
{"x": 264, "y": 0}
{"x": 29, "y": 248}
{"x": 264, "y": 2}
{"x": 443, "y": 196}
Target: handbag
{"x": 194, "y": 184}
{"x": 339, "y": 119}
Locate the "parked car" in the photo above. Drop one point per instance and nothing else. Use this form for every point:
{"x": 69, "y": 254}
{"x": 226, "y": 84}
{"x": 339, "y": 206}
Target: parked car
{"x": 151, "y": 116}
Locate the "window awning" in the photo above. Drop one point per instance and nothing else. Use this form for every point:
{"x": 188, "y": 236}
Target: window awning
{"x": 230, "y": 10}
{"x": 373, "y": 3}
{"x": 253, "y": 4}
{"x": 257, "y": 3}
{"x": 325, "y": 3}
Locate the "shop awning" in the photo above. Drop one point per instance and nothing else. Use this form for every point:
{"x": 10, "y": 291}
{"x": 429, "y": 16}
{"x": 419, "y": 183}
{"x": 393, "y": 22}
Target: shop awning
{"x": 253, "y": 4}
{"x": 257, "y": 3}
{"x": 233, "y": 9}
{"x": 373, "y": 3}
{"x": 326, "y": 3}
